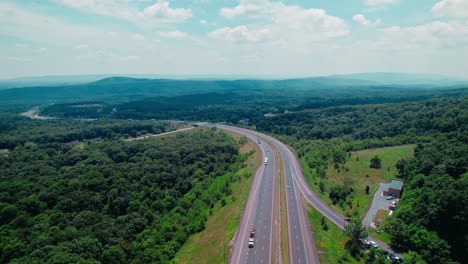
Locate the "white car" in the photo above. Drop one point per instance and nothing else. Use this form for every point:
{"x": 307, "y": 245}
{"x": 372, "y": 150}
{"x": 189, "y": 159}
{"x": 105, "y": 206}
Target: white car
{"x": 390, "y": 197}
{"x": 251, "y": 243}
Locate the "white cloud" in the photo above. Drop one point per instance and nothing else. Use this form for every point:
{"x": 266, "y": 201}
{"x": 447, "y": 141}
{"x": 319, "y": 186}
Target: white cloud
{"x": 380, "y": 3}
{"x": 245, "y": 7}
{"x": 203, "y": 22}
{"x": 82, "y": 46}
{"x": 111, "y": 8}
{"x": 286, "y": 20}
{"x": 161, "y": 11}
{"x": 431, "y": 36}
{"x": 361, "y": 19}
{"x": 138, "y": 37}
{"x": 241, "y": 33}
{"x": 112, "y": 34}
{"x": 451, "y": 8}
{"x": 174, "y": 34}
{"x": 42, "y": 50}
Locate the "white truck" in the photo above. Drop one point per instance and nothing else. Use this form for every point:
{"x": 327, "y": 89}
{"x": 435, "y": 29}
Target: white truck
{"x": 251, "y": 238}
{"x": 266, "y": 160}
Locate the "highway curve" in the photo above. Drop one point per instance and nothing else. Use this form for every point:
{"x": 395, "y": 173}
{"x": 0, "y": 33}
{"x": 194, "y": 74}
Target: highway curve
{"x": 300, "y": 243}
{"x": 301, "y": 246}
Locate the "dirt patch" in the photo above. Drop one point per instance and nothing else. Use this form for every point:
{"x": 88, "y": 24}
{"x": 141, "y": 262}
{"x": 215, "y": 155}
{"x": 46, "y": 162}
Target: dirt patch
{"x": 380, "y": 216}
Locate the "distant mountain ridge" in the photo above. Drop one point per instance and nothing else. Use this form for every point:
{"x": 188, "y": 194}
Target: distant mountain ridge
{"x": 377, "y": 78}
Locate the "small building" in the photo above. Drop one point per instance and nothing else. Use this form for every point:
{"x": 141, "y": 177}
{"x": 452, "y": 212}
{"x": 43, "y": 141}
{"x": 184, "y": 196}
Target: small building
{"x": 395, "y": 189}
{"x": 4, "y": 152}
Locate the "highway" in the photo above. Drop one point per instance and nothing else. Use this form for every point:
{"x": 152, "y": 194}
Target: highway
{"x": 258, "y": 213}
{"x": 300, "y": 243}
{"x": 301, "y": 246}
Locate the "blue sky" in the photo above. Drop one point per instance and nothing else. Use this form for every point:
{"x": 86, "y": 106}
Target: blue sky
{"x": 254, "y": 37}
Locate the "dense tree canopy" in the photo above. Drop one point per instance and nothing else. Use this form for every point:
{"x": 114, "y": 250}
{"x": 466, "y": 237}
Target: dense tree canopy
{"x": 111, "y": 201}
{"x": 16, "y": 130}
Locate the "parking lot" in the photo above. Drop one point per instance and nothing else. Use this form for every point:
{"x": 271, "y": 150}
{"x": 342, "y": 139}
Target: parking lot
{"x": 379, "y": 202}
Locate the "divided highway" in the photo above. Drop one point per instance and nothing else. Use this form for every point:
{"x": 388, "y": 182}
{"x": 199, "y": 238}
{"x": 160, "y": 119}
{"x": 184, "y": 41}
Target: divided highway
{"x": 258, "y": 213}
{"x": 300, "y": 241}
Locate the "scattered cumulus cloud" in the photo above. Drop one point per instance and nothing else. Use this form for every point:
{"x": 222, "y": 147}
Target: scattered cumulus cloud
{"x": 241, "y": 33}
{"x": 451, "y": 8}
{"x": 161, "y": 11}
{"x": 42, "y": 50}
{"x": 430, "y": 36}
{"x": 287, "y": 20}
{"x": 361, "y": 19}
{"x": 245, "y": 7}
{"x": 203, "y": 22}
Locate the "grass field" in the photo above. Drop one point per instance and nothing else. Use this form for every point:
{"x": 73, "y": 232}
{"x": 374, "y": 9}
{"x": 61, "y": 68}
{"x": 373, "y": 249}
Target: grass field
{"x": 212, "y": 245}
{"x": 330, "y": 243}
{"x": 357, "y": 171}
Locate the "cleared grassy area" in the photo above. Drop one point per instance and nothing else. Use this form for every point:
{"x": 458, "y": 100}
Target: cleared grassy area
{"x": 357, "y": 172}
{"x": 381, "y": 214}
{"x": 330, "y": 244}
{"x": 380, "y": 235}
{"x": 212, "y": 245}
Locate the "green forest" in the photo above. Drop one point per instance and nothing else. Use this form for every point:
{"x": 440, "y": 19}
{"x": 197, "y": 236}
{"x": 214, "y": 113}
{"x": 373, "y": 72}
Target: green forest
{"x": 110, "y": 201}
{"x": 432, "y": 218}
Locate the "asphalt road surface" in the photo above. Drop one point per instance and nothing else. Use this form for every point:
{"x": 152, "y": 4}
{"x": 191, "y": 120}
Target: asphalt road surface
{"x": 258, "y": 213}
{"x": 301, "y": 248}
{"x": 313, "y": 199}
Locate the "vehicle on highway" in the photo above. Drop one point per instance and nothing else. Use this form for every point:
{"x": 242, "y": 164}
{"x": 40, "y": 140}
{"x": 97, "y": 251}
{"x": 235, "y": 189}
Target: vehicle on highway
{"x": 373, "y": 244}
{"x": 259, "y": 142}
{"x": 394, "y": 258}
{"x": 266, "y": 160}
{"x": 251, "y": 238}
{"x": 390, "y": 197}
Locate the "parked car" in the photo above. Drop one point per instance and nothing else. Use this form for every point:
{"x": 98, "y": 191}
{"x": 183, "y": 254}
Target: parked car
{"x": 390, "y": 197}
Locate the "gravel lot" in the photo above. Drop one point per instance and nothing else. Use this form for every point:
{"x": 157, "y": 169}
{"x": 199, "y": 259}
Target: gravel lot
{"x": 379, "y": 202}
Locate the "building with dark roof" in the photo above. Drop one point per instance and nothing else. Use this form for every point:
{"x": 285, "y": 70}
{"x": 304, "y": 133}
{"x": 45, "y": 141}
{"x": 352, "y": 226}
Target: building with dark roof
{"x": 395, "y": 189}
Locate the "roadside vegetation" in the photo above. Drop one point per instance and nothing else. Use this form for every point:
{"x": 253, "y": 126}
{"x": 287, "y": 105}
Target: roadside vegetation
{"x": 213, "y": 244}
{"x": 329, "y": 240}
